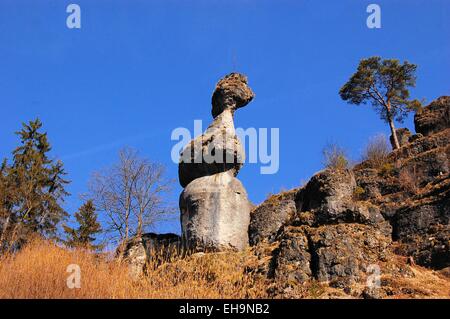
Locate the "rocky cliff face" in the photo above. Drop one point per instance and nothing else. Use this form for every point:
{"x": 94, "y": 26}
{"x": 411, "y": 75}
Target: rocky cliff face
{"x": 345, "y": 224}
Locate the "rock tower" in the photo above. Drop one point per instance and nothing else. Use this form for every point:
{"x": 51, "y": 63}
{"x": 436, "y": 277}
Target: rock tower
{"x": 215, "y": 211}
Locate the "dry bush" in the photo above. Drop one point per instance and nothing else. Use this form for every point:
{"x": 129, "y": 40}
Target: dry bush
{"x": 39, "y": 271}
{"x": 334, "y": 157}
{"x": 387, "y": 169}
{"x": 376, "y": 152}
{"x": 358, "y": 193}
{"x": 409, "y": 180}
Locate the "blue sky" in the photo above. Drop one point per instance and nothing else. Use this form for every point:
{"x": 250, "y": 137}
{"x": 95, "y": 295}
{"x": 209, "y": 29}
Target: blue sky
{"x": 138, "y": 69}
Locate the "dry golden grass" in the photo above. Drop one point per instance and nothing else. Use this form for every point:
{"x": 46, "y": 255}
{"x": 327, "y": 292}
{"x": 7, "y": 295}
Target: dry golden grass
{"x": 39, "y": 271}
{"x": 425, "y": 283}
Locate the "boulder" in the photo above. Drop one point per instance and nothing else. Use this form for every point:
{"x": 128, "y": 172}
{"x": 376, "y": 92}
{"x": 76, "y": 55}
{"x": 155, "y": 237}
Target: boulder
{"x": 267, "y": 218}
{"x": 328, "y": 198}
{"x": 215, "y": 213}
{"x": 326, "y": 190}
{"x": 135, "y": 255}
{"x": 433, "y": 118}
{"x": 139, "y": 250}
{"x": 231, "y": 93}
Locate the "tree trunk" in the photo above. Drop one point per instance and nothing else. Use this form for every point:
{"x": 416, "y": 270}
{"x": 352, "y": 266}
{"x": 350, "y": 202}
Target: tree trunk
{"x": 394, "y": 134}
{"x": 392, "y": 126}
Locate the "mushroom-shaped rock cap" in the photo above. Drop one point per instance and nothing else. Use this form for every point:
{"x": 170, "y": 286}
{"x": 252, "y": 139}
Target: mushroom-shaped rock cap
{"x": 232, "y": 92}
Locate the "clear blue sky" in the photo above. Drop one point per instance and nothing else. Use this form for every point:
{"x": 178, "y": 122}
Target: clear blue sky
{"x": 138, "y": 69}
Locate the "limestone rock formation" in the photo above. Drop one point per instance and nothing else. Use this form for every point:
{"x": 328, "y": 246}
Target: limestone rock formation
{"x": 339, "y": 253}
{"x": 231, "y": 93}
{"x": 347, "y": 222}
{"x": 217, "y": 150}
{"x": 215, "y": 212}
{"x": 331, "y": 237}
{"x": 138, "y": 251}
{"x": 414, "y": 195}
{"x": 328, "y": 198}
{"x": 267, "y": 218}
{"x": 433, "y": 118}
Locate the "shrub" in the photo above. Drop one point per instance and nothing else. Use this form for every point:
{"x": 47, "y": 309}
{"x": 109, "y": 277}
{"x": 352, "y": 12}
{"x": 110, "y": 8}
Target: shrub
{"x": 334, "y": 157}
{"x": 408, "y": 180}
{"x": 358, "y": 192}
{"x": 387, "y": 169}
{"x": 376, "y": 151}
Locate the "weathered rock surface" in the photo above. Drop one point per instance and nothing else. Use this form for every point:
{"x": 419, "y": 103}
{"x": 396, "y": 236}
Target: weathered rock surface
{"x": 433, "y": 118}
{"x": 413, "y": 194}
{"x": 231, "y": 93}
{"x": 326, "y": 191}
{"x": 139, "y": 250}
{"x": 216, "y": 151}
{"x": 267, "y": 218}
{"x": 215, "y": 213}
{"x": 330, "y": 237}
{"x": 346, "y": 220}
{"x": 328, "y": 198}
{"x": 339, "y": 253}
{"x": 423, "y": 227}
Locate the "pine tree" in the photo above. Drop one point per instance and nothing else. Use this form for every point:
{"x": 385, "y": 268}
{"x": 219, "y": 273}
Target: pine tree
{"x": 83, "y": 236}
{"x": 6, "y": 200}
{"x": 38, "y": 184}
{"x": 383, "y": 83}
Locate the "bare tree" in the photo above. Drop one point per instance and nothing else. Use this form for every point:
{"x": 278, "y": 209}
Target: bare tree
{"x": 131, "y": 195}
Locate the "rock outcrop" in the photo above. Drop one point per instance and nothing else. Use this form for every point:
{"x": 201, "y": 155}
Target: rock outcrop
{"x": 338, "y": 231}
{"x": 413, "y": 193}
{"x": 215, "y": 211}
{"x": 267, "y": 218}
{"x": 433, "y": 118}
{"x": 346, "y": 223}
{"x": 331, "y": 237}
{"x": 140, "y": 250}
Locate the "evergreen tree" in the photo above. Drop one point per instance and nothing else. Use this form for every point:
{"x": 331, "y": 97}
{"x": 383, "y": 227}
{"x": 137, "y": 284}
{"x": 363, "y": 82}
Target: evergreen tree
{"x": 38, "y": 185}
{"x": 385, "y": 84}
{"x": 83, "y": 236}
{"x": 6, "y": 200}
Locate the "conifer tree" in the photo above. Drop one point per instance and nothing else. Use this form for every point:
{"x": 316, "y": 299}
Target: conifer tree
{"x": 6, "y": 199}
{"x": 83, "y": 236}
{"x": 383, "y": 83}
{"x": 38, "y": 186}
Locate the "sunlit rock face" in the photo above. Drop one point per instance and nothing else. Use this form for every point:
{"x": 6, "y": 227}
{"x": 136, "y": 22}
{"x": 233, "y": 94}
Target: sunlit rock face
{"x": 215, "y": 212}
